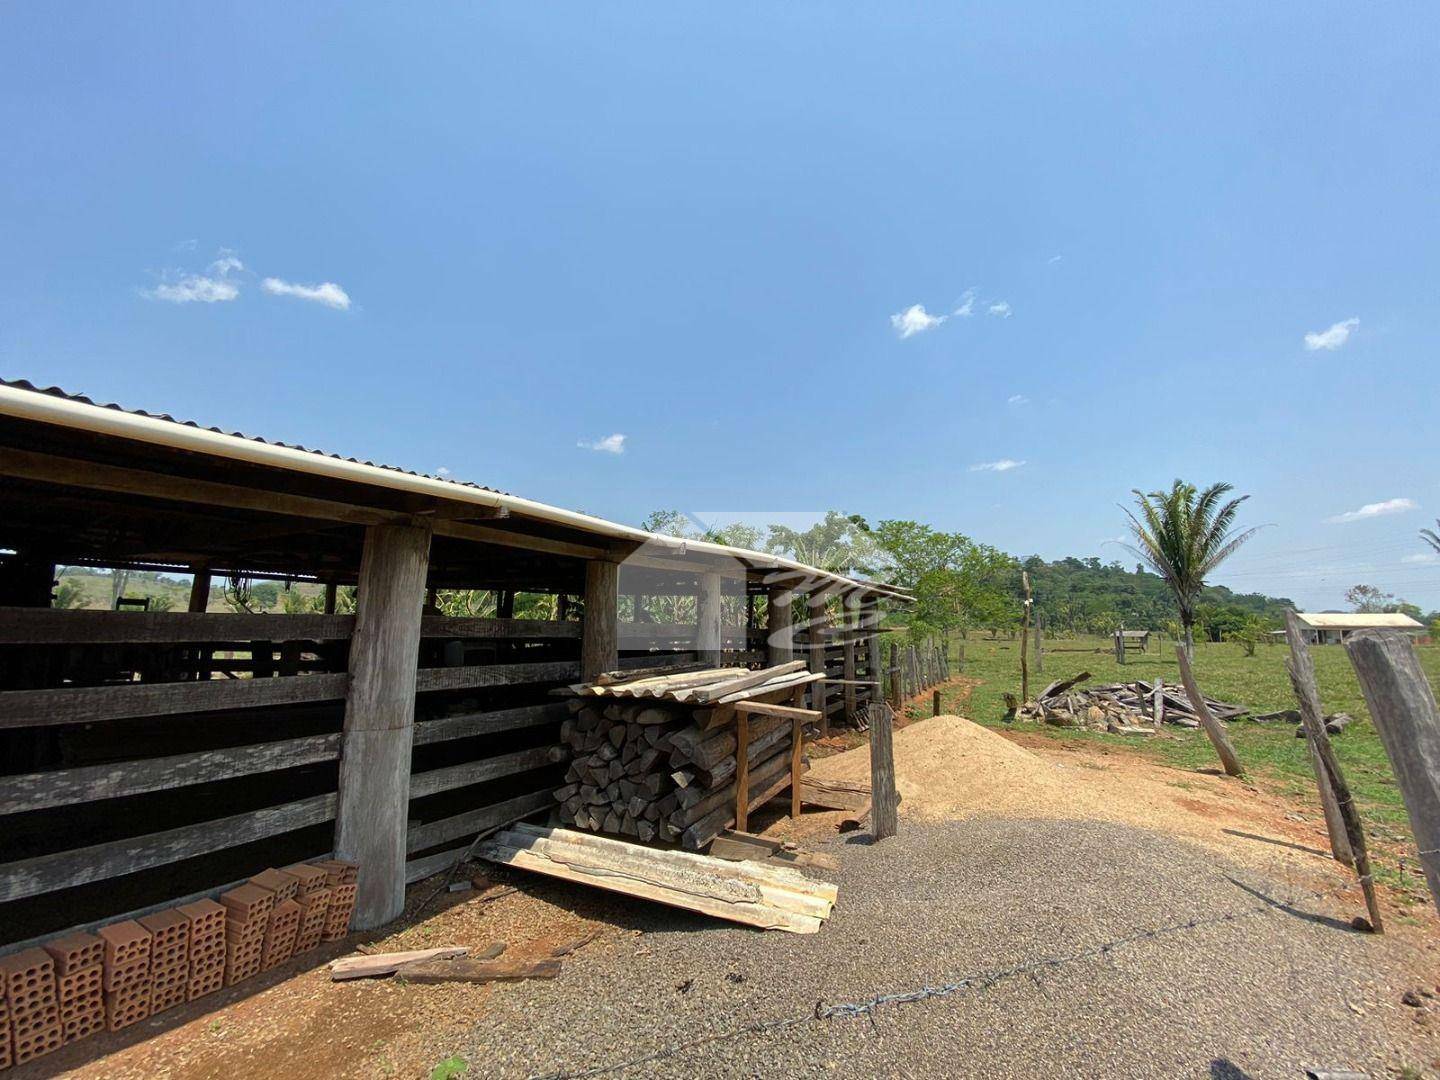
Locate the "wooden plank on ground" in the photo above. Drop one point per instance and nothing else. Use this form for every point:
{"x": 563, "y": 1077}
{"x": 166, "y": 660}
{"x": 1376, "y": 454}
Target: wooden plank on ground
{"x": 505, "y": 969}
{"x": 368, "y": 966}
{"x": 750, "y": 893}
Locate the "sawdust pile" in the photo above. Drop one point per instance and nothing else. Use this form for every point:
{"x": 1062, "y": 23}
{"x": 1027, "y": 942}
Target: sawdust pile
{"x": 949, "y": 767}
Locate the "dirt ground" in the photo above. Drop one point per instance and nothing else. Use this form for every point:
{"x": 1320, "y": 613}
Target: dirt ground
{"x": 295, "y": 1022}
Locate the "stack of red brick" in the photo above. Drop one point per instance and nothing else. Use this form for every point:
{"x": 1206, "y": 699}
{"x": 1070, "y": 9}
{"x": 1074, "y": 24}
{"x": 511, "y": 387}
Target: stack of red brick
{"x": 78, "y": 984}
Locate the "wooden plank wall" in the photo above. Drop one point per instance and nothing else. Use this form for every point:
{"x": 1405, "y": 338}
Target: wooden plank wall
{"x": 119, "y": 795}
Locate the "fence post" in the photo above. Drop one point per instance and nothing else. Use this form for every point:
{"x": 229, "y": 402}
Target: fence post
{"x": 883, "y": 797}
{"x": 1218, "y": 738}
{"x": 1402, "y": 708}
{"x": 1302, "y": 678}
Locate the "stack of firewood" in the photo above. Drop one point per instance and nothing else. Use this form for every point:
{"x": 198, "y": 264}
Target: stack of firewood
{"x": 1133, "y": 708}
{"x": 660, "y": 769}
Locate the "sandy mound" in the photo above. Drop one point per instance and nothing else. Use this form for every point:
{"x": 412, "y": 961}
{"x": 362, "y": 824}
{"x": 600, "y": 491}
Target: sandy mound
{"x": 949, "y": 767}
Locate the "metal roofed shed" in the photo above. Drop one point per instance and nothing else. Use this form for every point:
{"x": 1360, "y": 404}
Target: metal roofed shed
{"x": 150, "y": 754}
{"x": 1332, "y": 628}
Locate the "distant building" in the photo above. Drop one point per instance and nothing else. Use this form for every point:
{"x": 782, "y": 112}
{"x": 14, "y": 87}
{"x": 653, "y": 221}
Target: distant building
{"x": 1332, "y": 629}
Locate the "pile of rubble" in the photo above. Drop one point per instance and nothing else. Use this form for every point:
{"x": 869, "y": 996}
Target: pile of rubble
{"x": 1133, "y": 708}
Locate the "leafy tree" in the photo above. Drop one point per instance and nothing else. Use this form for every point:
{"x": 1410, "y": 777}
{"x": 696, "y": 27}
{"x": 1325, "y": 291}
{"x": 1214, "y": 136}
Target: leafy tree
{"x": 161, "y": 602}
{"x": 839, "y": 543}
{"x": 958, "y": 584}
{"x": 1250, "y": 633}
{"x": 1183, "y": 534}
{"x": 68, "y": 594}
{"x": 1369, "y": 599}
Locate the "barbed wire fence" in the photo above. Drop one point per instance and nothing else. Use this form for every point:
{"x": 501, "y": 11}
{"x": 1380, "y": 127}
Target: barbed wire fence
{"x": 979, "y": 981}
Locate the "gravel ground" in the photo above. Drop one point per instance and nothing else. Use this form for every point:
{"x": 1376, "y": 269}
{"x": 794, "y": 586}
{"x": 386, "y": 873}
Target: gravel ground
{"x": 1283, "y": 986}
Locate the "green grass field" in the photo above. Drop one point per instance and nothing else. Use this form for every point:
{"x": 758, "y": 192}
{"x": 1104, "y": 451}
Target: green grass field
{"x": 1270, "y": 752}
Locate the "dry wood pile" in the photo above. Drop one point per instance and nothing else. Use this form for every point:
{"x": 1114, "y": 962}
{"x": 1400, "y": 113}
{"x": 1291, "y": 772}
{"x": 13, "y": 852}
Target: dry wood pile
{"x": 1132, "y": 708}
{"x": 655, "y": 758}
{"x": 756, "y": 894}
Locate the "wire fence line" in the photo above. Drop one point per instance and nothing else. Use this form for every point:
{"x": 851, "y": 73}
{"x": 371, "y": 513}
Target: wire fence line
{"x": 980, "y": 982}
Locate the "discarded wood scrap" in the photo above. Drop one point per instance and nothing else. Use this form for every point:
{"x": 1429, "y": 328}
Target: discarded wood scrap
{"x": 472, "y": 970}
{"x": 748, "y": 847}
{"x": 1133, "y": 708}
{"x": 377, "y": 964}
{"x": 756, "y": 894}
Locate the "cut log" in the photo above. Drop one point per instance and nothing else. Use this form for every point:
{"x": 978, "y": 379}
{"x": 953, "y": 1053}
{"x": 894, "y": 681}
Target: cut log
{"x": 479, "y": 971}
{"x": 834, "y": 794}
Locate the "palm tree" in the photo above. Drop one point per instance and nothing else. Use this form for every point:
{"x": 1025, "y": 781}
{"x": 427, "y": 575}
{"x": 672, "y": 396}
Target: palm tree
{"x": 1183, "y": 534}
{"x": 1431, "y": 537}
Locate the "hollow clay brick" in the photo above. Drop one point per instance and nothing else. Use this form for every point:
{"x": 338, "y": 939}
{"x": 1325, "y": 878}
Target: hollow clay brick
{"x": 75, "y": 951}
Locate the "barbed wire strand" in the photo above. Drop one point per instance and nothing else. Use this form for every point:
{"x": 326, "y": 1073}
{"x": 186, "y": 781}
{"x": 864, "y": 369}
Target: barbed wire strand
{"x": 980, "y": 981}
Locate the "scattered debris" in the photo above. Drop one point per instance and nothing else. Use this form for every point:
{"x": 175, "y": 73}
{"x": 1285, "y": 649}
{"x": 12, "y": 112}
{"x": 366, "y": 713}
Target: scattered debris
{"x": 460, "y": 886}
{"x": 375, "y": 964}
{"x": 1133, "y": 708}
{"x": 757, "y": 894}
{"x": 747, "y": 847}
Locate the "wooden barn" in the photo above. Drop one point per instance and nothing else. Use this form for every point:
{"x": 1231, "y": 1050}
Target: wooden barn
{"x": 153, "y": 756}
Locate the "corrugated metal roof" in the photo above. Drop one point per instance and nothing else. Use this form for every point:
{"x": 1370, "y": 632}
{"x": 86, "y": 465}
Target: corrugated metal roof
{"x": 1343, "y": 621}
{"x": 56, "y": 391}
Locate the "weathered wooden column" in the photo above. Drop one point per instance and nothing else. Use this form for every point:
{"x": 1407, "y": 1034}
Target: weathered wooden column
{"x": 380, "y": 718}
{"x": 884, "y": 799}
{"x": 779, "y": 625}
{"x": 330, "y": 593}
{"x": 851, "y": 602}
{"x": 819, "y": 620}
{"x": 600, "y": 634}
{"x": 707, "y": 619}
{"x": 1402, "y": 708}
{"x": 199, "y": 588}
{"x": 870, "y": 619}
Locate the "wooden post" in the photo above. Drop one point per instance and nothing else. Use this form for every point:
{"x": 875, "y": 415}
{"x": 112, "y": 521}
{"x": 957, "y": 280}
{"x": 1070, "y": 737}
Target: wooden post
{"x": 200, "y": 587}
{"x": 742, "y": 771}
{"x": 1302, "y": 678}
{"x": 851, "y": 601}
{"x": 1039, "y": 644}
{"x": 797, "y": 744}
{"x": 707, "y": 620}
{"x": 873, "y": 663}
{"x": 1024, "y": 638}
{"x": 897, "y": 694}
{"x": 935, "y": 704}
{"x": 1119, "y": 647}
{"x": 600, "y": 633}
{"x": 374, "y": 791}
{"x": 819, "y": 620}
{"x": 1402, "y": 708}
{"x": 330, "y": 592}
{"x": 780, "y": 625}
{"x": 883, "y": 797}
{"x": 1218, "y": 738}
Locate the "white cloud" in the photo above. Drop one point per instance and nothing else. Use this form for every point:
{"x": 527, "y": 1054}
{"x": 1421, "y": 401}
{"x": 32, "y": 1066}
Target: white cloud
{"x": 212, "y": 287}
{"x": 610, "y": 444}
{"x": 442, "y": 471}
{"x": 967, "y": 304}
{"x": 194, "y": 288}
{"x": 1000, "y": 308}
{"x": 1375, "y": 509}
{"x": 1054, "y": 259}
{"x": 1332, "y": 338}
{"x": 1017, "y": 399}
{"x": 1003, "y": 465}
{"x": 915, "y": 320}
{"x": 327, "y": 292}
{"x": 1426, "y": 557}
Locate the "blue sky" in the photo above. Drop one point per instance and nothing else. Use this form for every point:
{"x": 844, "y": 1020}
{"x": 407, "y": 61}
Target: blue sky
{"x": 477, "y": 237}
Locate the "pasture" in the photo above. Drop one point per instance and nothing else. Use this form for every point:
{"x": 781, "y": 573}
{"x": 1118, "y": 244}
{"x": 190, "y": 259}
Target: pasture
{"x": 1271, "y": 753}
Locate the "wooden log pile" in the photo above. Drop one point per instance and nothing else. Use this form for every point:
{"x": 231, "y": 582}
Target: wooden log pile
{"x": 656, "y": 759}
{"x": 1132, "y": 708}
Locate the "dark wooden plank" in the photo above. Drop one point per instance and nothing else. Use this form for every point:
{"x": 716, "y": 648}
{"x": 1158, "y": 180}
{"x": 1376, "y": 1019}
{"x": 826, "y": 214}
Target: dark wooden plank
{"x": 53, "y": 626}
{"x": 84, "y": 704}
{"x": 468, "y": 725}
{"x": 99, "y": 862}
{"x": 62, "y": 787}
{"x": 476, "y": 821}
{"x": 440, "y": 626}
{"x": 463, "y": 678}
{"x": 477, "y": 772}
